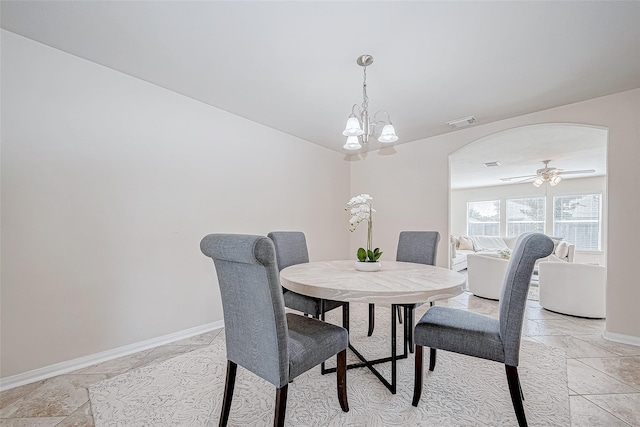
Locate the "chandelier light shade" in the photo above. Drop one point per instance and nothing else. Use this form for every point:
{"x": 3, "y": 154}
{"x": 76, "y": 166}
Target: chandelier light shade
{"x": 359, "y": 126}
{"x": 352, "y": 143}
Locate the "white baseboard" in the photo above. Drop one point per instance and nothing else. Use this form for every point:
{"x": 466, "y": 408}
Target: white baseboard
{"x": 621, "y": 338}
{"x": 92, "y": 359}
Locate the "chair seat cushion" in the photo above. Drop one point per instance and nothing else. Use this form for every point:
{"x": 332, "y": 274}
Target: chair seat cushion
{"x": 308, "y": 305}
{"x": 311, "y": 342}
{"x": 460, "y": 331}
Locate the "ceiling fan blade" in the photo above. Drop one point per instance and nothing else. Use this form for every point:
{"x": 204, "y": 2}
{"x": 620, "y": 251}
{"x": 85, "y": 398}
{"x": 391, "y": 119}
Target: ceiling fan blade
{"x": 575, "y": 172}
{"x": 513, "y": 178}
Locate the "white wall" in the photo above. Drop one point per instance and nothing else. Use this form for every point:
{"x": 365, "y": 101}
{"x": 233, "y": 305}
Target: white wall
{"x": 591, "y": 185}
{"x": 108, "y": 185}
{"x": 411, "y": 191}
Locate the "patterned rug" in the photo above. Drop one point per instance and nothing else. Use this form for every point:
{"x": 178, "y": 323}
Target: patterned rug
{"x": 462, "y": 391}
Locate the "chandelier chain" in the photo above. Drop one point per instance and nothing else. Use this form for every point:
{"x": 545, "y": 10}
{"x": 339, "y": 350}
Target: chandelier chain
{"x": 365, "y": 98}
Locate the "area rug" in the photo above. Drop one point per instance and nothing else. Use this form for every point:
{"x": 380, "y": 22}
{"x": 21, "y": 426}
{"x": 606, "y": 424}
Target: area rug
{"x": 462, "y": 391}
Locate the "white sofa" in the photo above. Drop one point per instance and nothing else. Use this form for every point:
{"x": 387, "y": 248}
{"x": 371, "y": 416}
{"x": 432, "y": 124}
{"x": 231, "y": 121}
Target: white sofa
{"x": 574, "y": 289}
{"x": 492, "y": 244}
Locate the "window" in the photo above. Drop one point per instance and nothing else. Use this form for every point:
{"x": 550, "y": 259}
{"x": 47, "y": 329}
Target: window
{"x": 525, "y": 215}
{"x": 577, "y": 220}
{"x": 483, "y": 218}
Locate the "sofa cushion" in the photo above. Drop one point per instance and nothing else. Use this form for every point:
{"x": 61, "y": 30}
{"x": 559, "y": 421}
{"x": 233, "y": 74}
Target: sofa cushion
{"x": 489, "y": 243}
{"x": 562, "y": 250}
{"x": 465, "y": 243}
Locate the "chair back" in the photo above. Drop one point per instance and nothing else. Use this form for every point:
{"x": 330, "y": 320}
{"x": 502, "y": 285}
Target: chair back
{"x": 529, "y": 247}
{"x": 254, "y": 316}
{"x": 291, "y": 248}
{"x": 420, "y": 247}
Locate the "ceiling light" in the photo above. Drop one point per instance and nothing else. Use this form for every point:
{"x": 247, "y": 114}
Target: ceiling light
{"x": 352, "y": 143}
{"x": 547, "y": 174}
{"x": 359, "y": 127}
{"x": 463, "y": 122}
{"x": 492, "y": 164}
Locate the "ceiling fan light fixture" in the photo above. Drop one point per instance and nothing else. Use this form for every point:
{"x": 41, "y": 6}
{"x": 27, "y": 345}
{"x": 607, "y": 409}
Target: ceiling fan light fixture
{"x": 555, "y": 180}
{"x": 537, "y": 182}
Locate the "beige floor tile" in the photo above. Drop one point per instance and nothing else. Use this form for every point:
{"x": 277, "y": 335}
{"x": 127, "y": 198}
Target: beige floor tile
{"x": 164, "y": 352}
{"x": 31, "y": 422}
{"x": 58, "y": 396}
{"x": 624, "y": 406}
{"x": 483, "y": 306}
{"x": 586, "y": 414}
{"x": 584, "y": 379}
{"x": 612, "y": 346}
{"x": 573, "y": 346}
{"x": 115, "y": 366}
{"x": 624, "y": 369}
{"x": 77, "y": 420}
{"x": 541, "y": 313}
{"x": 202, "y": 339}
{"x": 535, "y": 327}
{"x": 575, "y": 326}
{"x": 7, "y": 397}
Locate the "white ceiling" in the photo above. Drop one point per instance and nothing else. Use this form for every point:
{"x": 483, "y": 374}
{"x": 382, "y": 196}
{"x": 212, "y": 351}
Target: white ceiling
{"x": 521, "y": 151}
{"x": 291, "y": 65}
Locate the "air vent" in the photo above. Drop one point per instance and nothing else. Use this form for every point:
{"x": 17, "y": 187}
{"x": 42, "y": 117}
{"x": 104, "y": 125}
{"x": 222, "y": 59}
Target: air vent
{"x": 460, "y": 123}
{"x": 492, "y": 164}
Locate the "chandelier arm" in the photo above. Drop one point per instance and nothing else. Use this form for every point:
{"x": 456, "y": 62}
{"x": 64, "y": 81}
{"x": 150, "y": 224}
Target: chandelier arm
{"x": 381, "y": 122}
{"x": 353, "y": 110}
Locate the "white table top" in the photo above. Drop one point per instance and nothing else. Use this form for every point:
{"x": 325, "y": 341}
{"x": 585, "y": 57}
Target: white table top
{"x": 395, "y": 283}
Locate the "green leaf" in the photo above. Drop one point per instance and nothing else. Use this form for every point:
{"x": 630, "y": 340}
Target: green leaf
{"x": 371, "y": 256}
{"x": 362, "y": 255}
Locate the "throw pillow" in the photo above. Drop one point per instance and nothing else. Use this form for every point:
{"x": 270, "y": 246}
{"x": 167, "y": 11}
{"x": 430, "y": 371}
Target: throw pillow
{"x": 562, "y": 250}
{"x": 465, "y": 243}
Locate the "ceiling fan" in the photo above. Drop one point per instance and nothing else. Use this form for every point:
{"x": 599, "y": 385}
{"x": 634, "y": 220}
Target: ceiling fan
{"x": 547, "y": 174}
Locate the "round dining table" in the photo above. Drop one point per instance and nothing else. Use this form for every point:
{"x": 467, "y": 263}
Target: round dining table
{"x": 396, "y": 283}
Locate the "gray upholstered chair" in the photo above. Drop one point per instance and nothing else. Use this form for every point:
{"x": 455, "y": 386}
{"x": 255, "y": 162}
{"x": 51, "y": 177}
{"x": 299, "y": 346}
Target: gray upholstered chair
{"x": 482, "y": 336}
{"x": 291, "y": 249}
{"x": 259, "y": 335}
{"x": 420, "y": 247}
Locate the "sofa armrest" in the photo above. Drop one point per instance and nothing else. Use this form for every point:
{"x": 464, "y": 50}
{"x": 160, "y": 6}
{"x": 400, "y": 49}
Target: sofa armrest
{"x": 571, "y": 253}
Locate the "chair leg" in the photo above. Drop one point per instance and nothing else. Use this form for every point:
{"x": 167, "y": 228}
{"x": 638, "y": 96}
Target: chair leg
{"x": 230, "y": 382}
{"x": 432, "y": 359}
{"x": 281, "y": 406}
{"x": 372, "y": 318}
{"x": 410, "y": 326}
{"x": 341, "y": 374}
{"x": 345, "y": 316}
{"x": 516, "y": 396}
{"x": 417, "y": 385}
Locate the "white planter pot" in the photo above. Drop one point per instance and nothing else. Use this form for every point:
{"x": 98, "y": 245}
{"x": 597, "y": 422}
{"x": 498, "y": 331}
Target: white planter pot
{"x": 368, "y": 266}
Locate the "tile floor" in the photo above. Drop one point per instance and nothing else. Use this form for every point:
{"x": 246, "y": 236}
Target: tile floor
{"x": 603, "y": 376}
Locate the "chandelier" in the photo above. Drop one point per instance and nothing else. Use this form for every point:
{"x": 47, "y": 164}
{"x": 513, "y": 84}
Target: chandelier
{"x": 547, "y": 174}
{"x": 359, "y": 127}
